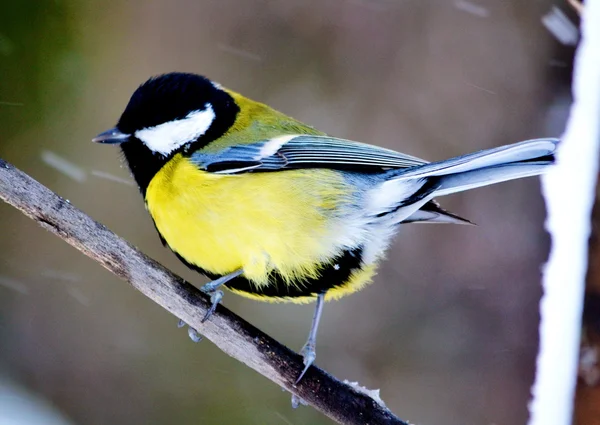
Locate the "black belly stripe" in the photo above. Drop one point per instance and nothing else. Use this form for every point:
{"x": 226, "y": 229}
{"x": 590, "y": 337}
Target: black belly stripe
{"x": 333, "y": 274}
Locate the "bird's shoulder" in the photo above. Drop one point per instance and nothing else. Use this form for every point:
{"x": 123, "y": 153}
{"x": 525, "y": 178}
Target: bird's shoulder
{"x": 257, "y": 121}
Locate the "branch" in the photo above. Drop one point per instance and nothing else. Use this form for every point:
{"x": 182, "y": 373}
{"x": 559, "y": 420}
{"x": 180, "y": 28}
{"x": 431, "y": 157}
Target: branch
{"x": 568, "y": 189}
{"x": 230, "y": 333}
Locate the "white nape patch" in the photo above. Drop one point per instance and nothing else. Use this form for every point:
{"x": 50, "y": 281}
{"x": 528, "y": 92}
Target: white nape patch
{"x": 216, "y": 85}
{"x": 274, "y": 145}
{"x": 167, "y": 137}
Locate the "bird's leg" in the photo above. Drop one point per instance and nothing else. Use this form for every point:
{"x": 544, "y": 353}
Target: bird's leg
{"x": 308, "y": 351}
{"x": 216, "y": 295}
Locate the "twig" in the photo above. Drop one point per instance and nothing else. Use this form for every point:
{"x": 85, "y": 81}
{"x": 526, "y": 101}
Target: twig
{"x": 230, "y": 333}
{"x": 568, "y": 190}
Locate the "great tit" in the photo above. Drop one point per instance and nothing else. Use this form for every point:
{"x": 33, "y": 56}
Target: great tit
{"x": 274, "y": 209}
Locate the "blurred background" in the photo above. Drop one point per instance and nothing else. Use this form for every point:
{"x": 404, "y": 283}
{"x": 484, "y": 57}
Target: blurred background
{"x": 448, "y": 331}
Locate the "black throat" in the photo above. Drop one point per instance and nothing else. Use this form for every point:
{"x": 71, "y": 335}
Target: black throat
{"x": 143, "y": 163}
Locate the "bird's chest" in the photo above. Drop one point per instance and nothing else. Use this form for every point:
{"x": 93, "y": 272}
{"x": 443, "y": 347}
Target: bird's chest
{"x": 258, "y": 222}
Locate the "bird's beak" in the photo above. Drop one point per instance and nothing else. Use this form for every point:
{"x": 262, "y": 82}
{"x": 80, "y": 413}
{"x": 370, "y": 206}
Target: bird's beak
{"x": 112, "y": 136}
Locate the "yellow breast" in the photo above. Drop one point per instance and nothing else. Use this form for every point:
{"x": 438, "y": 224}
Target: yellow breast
{"x": 256, "y": 221}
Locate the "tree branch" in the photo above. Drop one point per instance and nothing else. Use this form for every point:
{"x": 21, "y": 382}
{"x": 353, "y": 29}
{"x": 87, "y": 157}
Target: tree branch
{"x": 568, "y": 189}
{"x": 230, "y": 333}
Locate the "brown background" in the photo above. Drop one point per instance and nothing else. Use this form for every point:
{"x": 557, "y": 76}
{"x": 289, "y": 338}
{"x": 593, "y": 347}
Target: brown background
{"x": 448, "y": 332}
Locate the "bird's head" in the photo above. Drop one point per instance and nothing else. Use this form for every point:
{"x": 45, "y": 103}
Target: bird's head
{"x": 168, "y": 114}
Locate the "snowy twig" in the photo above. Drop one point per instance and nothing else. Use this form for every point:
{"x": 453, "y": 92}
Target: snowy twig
{"x": 229, "y": 332}
{"x": 569, "y": 190}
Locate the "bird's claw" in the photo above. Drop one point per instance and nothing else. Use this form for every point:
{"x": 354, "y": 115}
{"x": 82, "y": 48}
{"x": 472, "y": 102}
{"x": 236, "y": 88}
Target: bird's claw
{"x": 215, "y": 298}
{"x": 309, "y": 354}
{"x": 297, "y": 401}
{"x": 194, "y": 335}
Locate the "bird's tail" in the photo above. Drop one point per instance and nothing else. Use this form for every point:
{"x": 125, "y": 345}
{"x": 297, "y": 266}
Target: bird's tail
{"x": 486, "y": 167}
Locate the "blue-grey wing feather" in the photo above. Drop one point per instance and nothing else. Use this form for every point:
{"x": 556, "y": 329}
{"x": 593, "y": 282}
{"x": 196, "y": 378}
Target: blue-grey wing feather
{"x": 303, "y": 151}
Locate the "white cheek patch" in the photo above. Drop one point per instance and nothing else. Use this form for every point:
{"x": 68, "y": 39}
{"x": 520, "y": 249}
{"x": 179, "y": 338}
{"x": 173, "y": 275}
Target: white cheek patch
{"x": 170, "y": 136}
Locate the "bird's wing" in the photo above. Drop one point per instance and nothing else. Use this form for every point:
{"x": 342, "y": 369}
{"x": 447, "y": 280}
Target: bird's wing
{"x": 302, "y": 151}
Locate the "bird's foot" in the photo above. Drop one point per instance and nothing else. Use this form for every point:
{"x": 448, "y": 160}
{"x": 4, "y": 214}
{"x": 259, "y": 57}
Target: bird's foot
{"x": 297, "y": 401}
{"x": 309, "y": 354}
{"x": 216, "y": 296}
{"x": 192, "y": 333}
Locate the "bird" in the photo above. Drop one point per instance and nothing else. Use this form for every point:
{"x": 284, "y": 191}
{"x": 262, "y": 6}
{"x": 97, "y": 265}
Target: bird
{"x": 276, "y": 210}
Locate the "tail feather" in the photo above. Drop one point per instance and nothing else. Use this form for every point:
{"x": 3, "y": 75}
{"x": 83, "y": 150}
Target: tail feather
{"x": 407, "y": 195}
{"x": 524, "y": 159}
{"x": 432, "y": 212}
{"x": 530, "y": 151}
{"x": 483, "y": 177}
